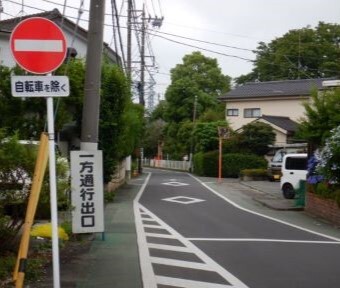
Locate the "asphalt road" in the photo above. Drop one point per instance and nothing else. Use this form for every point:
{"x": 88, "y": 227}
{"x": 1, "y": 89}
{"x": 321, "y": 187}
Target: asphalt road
{"x": 191, "y": 236}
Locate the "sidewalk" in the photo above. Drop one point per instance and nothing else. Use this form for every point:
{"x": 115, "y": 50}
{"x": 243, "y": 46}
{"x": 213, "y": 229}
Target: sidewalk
{"x": 271, "y": 195}
{"x": 112, "y": 262}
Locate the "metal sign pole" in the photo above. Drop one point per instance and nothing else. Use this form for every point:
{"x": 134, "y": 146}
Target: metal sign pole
{"x": 53, "y": 193}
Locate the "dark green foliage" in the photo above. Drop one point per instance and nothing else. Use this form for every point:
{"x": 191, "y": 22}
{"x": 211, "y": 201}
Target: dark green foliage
{"x": 198, "y": 76}
{"x": 121, "y": 121}
{"x": 114, "y": 98}
{"x": 154, "y": 134}
{"x": 206, "y": 164}
{"x": 206, "y": 135}
{"x": 254, "y": 172}
{"x": 300, "y": 53}
{"x": 255, "y": 138}
{"x": 321, "y": 116}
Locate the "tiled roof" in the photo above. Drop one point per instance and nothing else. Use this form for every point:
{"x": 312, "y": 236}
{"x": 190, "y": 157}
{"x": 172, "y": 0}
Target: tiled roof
{"x": 280, "y": 121}
{"x": 299, "y": 87}
{"x": 9, "y": 24}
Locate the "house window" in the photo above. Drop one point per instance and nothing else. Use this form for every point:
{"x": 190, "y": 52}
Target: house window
{"x": 252, "y": 113}
{"x": 232, "y": 112}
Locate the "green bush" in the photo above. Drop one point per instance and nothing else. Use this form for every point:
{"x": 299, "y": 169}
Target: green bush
{"x": 206, "y": 164}
{"x": 324, "y": 190}
{"x": 234, "y": 163}
{"x": 254, "y": 172}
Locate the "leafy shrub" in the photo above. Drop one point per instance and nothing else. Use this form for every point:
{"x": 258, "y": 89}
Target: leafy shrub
{"x": 323, "y": 190}
{"x": 234, "y": 163}
{"x": 254, "y": 172}
{"x": 206, "y": 164}
{"x": 33, "y": 269}
{"x": 109, "y": 196}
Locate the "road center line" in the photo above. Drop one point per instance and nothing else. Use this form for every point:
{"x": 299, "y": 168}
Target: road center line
{"x": 262, "y": 240}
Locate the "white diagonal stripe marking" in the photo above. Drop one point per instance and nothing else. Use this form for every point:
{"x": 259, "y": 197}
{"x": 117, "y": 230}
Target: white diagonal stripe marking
{"x": 177, "y": 282}
{"x": 168, "y": 247}
{"x": 33, "y": 45}
{"x": 180, "y": 263}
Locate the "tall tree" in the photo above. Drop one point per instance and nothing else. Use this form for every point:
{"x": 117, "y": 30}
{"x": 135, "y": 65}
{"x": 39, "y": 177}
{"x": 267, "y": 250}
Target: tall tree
{"x": 199, "y": 76}
{"x": 300, "y": 53}
{"x": 321, "y": 116}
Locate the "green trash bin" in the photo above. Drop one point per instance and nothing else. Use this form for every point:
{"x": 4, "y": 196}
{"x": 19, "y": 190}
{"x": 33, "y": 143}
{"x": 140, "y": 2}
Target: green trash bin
{"x": 300, "y": 194}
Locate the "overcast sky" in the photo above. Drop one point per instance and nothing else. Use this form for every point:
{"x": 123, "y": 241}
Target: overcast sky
{"x": 239, "y": 23}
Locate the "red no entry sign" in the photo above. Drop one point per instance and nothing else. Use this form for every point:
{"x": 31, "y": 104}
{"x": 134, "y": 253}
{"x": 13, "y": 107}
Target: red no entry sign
{"x": 38, "y": 45}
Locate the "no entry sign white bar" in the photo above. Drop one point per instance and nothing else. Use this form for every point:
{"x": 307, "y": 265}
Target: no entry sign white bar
{"x": 40, "y": 86}
{"x": 33, "y": 45}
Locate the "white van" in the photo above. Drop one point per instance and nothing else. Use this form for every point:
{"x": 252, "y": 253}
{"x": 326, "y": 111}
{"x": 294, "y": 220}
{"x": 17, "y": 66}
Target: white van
{"x": 294, "y": 169}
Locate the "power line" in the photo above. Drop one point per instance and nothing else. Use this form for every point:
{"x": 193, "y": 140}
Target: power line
{"x": 201, "y": 48}
{"x": 114, "y": 3}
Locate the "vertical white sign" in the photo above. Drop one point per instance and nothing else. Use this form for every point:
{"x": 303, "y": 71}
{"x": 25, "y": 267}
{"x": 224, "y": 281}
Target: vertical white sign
{"x": 87, "y": 191}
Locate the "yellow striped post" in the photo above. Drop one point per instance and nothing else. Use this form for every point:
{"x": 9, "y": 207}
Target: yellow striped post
{"x": 38, "y": 177}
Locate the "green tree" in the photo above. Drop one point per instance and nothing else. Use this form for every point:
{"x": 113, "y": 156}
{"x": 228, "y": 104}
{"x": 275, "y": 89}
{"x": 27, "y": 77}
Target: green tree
{"x": 321, "y": 116}
{"x": 300, "y": 53}
{"x": 121, "y": 121}
{"x": 256, "y": 137}
{"x": 206, "y": 136}
{"x": 199, "y": 76}
{"x": 154, "y": 134}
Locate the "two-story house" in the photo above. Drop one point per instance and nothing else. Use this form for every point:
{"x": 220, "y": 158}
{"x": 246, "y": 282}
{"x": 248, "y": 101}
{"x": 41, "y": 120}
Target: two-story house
{"x": 277, "y": 103}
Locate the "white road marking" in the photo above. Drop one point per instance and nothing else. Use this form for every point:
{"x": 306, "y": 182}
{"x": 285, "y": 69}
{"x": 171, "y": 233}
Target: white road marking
{"x": 148, "y": 277}
{"x": 262, "y": 215}
{"x": 236, "y": 283}
{"x": 181, "y": 263}
{"x": 33, "y": 45}
{"x": 152, "y": 226}
{"x": 177, "y": 282}
{"x": 185, "y": 200}
{"x": 175, "y": 184}
{"x": 150, "y": 280}
{"x": 262, "y": 240}
{"x": 160, "y": 235}
{"x": 168, "y": 247}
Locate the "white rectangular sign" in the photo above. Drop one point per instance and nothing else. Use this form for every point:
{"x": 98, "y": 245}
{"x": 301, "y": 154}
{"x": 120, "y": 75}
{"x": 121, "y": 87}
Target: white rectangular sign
{"x": 40, "y": 86}
{"x": 87, "y": 191}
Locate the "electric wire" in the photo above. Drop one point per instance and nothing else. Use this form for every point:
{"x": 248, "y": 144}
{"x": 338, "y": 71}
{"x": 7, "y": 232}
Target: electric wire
{"x": 119, "y": 34}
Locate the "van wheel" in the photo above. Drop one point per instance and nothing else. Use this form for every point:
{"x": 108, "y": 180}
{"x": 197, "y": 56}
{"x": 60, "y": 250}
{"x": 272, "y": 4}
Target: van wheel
{"x": 288, "y": 191}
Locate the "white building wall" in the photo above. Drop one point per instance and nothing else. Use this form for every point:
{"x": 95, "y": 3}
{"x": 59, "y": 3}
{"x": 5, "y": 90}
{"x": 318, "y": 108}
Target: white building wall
{"x": 291, "y": 108}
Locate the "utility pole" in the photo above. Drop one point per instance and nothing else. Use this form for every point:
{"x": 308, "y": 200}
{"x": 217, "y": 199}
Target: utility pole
{"x": 129, "y": 20}
{"x": 142, "y": 61}
{"x": 192, "y": 141}
{"x": 90, "y": 119}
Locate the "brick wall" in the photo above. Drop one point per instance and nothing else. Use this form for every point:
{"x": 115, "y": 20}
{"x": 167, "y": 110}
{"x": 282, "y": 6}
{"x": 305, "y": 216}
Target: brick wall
{"x": 324, "y": 208}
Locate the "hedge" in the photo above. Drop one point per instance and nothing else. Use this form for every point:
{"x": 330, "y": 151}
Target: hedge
{"x": 206, "y": 164}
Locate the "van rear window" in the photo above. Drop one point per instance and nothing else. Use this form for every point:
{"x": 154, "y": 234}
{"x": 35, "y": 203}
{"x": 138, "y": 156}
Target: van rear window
{"x": 296, "y": 163}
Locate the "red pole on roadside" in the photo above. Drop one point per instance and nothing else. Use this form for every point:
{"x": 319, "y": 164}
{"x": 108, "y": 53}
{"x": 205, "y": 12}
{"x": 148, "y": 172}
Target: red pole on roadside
{"x": 220, "y": 161}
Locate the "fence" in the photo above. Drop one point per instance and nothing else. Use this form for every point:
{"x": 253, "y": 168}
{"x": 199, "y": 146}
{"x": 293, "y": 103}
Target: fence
{"x": 167, "y": 164}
